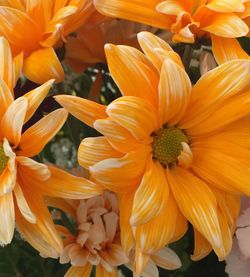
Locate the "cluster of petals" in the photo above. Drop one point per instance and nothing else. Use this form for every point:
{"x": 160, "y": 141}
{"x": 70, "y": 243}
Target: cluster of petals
{"x": 203, "y": 187}
{"x": 34, "y": 28}
{"x": 24, "y": 181}
{"x": 220, "y": 20}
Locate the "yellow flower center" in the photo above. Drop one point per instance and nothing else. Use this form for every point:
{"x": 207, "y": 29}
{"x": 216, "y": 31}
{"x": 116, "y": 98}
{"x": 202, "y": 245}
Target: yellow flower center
{"x": 167, "y": 145}
{"x": 3, "y": 159}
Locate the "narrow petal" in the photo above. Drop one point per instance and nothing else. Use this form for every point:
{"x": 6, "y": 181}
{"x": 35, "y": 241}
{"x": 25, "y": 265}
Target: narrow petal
{"x": 6, "y": 98}
{"x": 134, "y": 114}
{"x": 119, "y": 137}
{"x": 83, "y": 271}
{"x": 23, "y": 205}
{"x": 17, "y": 68}
{"x": 43, "y": 65}
{"x": 7, "y": 181}
{"x": 13, "y": 119}
{"x": 37, "y": 136}
{"x": 61, "y": 204}
{"x": 121, "y": 174}
{"x": 85, "y": 110}
{"x": 133, "y": 75}
{"x": 7, "y": 218}
{"x": 227, "y": 80}
{"x": 134, "y": 11}
{"x": 94, "y": 150}
{"x": 166, "y": 258}
{"x": 101, "y": 272}
{"x": 198, "y": 204}
{"x": 201, "y": 247}
{"x": 64, "y": 185}
{"x": 35, "y": 98}
{"x": 151, "y": 195}
{"x": 174, "y": 92}
{"x": 227, "y": 49}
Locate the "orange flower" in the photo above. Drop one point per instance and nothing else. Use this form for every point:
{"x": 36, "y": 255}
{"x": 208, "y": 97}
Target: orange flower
{"x": 24, "y": 181}
{"x": 87, "y": 47}
{"x": 97, "y": 239}
{"x": 174, "y": 152}
{"x": 34, "y": 28}
{"x": 223, "y": 20}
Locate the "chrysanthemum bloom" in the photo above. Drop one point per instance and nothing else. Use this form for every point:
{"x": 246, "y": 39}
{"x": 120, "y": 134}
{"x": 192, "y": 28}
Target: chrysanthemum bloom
{"x": 34, "y": 28}
{"x": 87, "y": 47}
{"x": 168, "y": 146}
{"x": 97, "y": 239}
{"x": 24, "y": 181}
{"x": 189, "y": 20}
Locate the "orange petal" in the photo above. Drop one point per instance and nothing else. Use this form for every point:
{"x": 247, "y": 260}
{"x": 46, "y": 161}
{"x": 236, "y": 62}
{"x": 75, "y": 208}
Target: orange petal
{"x": 65, "y": 185}
{"x": 119, "y": 137}
{"x": 61, "y": 204}
{"x": 23, "y": 206}
{"x": 7, "y": 218}
{"x": 226, "y": 6}
{"x": 7, "y": 181}
{"x": 201, "y": 247}
{"x": 121, "y": 174}
{"x": 43, "y": 65}
{"x": 83, "y": 271}
{"x": 101, "y": 272}
{"x": 35, "y": 98}
{"x": 227, "y": 80}
{"x": 227, "y": 49}
{"x": 94, "y": 150}
{"x": 134, "y": 11}
{"x": 13, "y": 119}
{"x": 18, "y": 68}
{"x": 134, "y": 114}
{"x": 6, "y": 98}
{"x": 199, "y": 206}
{"x": 132, "y": 72}
{"x": 85, "y": 110}
{"x": 174, "y": 96}
{"x": 151, "y": 195}
{"x": 175, "y": 7}
{"x": 37, "y": 136}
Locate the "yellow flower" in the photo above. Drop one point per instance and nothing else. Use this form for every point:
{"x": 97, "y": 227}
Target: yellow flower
{"x": 175, "y": 153}
{"x": 222, "y": 20}
{"x": 34, "y": 28}
{"x": 24, "y": 181}
{"x": 97, "y": 239}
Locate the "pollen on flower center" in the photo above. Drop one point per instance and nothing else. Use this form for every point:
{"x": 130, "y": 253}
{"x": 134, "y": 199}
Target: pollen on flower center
{"x": 3, "y": 159}
{"x": 167, "y": 145}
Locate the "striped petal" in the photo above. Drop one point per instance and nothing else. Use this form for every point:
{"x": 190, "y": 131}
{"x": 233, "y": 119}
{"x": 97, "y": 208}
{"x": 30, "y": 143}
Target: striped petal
{"x": 134, "y": 114}
{"x": 7, "y": 218}
{"x": 201, "y": 247}
{"x": 13, "y": 119}
{"x": 94, "y": 150}
{"x": 6, "y": 98}
{"x": 174, "y": 96}
{"x": 151, "y": 195}
{"x": 199, "y": 206}
{"x": 37, "y": 136}
{"x": 121, "y": 174}
{"x": 85, "y": 110}
{"x": 225, "y": 6}
{"x": 227, "y": 49}
{"x": 133, "y": 75}
{"x": 43, "y": 65}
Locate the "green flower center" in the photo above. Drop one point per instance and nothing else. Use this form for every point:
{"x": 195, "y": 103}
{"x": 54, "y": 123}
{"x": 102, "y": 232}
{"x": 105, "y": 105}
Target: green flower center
{"x": 3, "y": 159}
{"x": 167, "y": 145}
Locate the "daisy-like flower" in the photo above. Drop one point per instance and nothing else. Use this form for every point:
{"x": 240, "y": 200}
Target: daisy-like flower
{"x": 87, "y": 47}
{"x": 24, "y": 181}
{"x": 34, "y": 28}
{"x": 97, "y": 239}
{"x": 222, "y": 20}
{"x": 175, "y": 153}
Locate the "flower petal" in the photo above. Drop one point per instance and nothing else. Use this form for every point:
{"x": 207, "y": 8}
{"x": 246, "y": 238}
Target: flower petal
{"x": 85, "y": 110}
{"x": 94, "y": 150}
{"x": 121, "y": 174}
{"x": 7, "y": 181}
{"x": 13, "y": 119}
{"x": 133, "y": 75}
{"x": 7, "y": 218}
{"x": 6, "y": 98}
{"x": 199, "y": 206}
{"x": 43, "y": 65}
{"x": 225, "y": 6}
{"x": 227, "y": 49}
{"x": 174, "y": 92}
{"x": 201, "y": 247}
{"x": 83, "y": 271}
{"x": 37, "y": 136}
{"x": 151, "y": 195}
{"x": 101, "y": 272}
{"x": 134, "y": 114}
